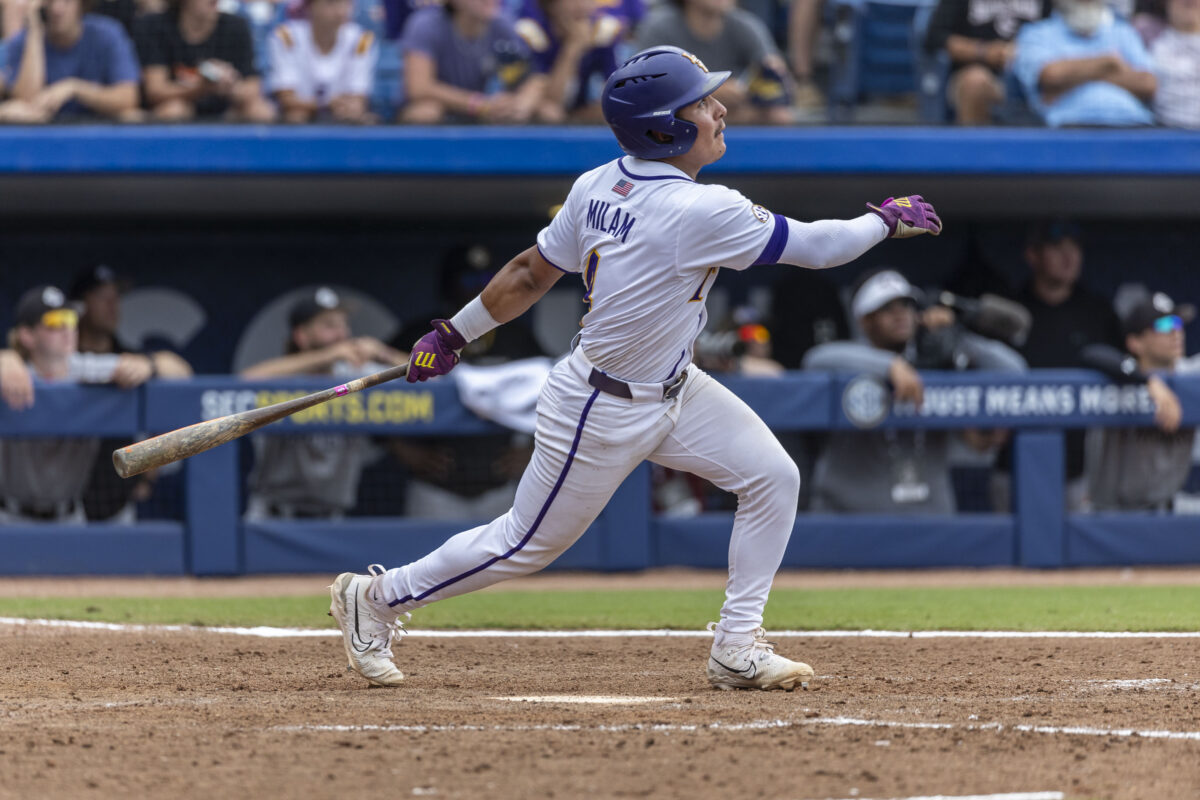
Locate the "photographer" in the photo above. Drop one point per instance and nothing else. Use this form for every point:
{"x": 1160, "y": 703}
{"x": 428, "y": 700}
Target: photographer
{"x": 897, "y": 471}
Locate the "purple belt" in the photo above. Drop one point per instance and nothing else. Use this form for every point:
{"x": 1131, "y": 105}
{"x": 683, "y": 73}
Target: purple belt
{"x": 609, "y": 384}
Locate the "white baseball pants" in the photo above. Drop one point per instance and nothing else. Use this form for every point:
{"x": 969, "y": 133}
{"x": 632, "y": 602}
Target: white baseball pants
{"x": 587, "y": 442}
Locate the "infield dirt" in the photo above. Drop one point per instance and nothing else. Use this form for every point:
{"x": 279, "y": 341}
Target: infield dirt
{"x": 196, "y": 714}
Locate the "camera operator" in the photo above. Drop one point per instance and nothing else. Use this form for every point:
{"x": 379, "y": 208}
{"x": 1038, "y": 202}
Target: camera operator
{"x": 897, "y": 471}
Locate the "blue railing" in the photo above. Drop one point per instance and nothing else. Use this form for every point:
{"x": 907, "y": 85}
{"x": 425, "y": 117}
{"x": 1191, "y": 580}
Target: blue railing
{"x": 567, "y": 151}
{"x": 213, "y": 540}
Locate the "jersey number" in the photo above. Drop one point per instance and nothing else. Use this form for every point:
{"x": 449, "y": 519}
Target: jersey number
{"x": 697, "y": 297}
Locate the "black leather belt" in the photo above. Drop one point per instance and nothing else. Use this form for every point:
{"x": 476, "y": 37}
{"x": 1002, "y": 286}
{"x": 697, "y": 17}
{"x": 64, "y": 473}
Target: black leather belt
{"x": 607, "y": 383}
{"x": 46, "y": 514}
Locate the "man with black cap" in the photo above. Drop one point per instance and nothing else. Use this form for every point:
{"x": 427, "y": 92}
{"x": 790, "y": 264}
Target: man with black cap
{"x": 42, "y": 480}
{"x": 896, "y": 471}
{"x": 317, "y": 475}
{"x": 1066, "y": 317}
{"x": 97, "y": 290}
{"x": 1143, "y": 468}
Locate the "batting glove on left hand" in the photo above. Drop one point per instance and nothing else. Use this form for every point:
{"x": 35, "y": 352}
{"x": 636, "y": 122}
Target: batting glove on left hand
{"x": 907, "y": 216}
{"x": 435, "y": 353}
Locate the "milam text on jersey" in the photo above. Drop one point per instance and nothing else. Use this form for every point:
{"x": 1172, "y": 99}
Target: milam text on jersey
{"x": 603, "y": 217}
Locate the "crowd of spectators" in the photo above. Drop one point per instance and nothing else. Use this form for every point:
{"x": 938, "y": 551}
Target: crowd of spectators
{"x": 1066, "y": 62}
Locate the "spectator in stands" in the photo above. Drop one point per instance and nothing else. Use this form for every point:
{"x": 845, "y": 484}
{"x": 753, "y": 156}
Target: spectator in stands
{"x": 198, "y": 63}
{"x": 314, "y": 476}
{"x": 896, "y": 471}
{"x": 97, "y": 293}
{"x": 466, "y": 62}
{"x": 1141, "y": 469}
{"x": 42, "y": 480}
{"x": 725, "y": 37}
{"x": 67, "y": 63}
{"x": 1085, "y": 66}
{"x": 574, "y": 44}
{"x": 323, "y": 65}
{"x": 740, "y": 346}
{"x": 1066, "y": 318}
{"x": 804, "y": 27}
{"x": 978, "y": 36}
{"x": 452, "y": 477}
{"x": 1176, "y": 55}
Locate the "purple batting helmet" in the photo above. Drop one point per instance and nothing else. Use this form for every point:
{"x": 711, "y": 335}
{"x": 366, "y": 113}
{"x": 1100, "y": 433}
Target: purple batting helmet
{"x": 642, "y": 96}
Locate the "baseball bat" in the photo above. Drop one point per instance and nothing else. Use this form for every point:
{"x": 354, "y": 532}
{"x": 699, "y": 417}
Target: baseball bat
{"x": 185, "y": 442}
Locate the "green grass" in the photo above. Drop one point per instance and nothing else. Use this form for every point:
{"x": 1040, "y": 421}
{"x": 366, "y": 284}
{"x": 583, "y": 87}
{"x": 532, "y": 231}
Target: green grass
{"x": 1090, "y": 608}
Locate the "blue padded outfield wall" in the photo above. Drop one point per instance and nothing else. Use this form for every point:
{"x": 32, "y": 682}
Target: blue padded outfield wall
{"x": 212, "y": 539}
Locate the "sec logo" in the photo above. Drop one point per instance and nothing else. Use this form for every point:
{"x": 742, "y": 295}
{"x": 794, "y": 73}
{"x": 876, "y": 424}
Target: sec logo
{"x": 865, "y": 401}
{"x": 761, "y": 214}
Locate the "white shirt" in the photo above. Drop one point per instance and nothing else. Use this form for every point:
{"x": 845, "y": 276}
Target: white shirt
{"x": 648, "y": 241}
{"x": 299, "y": 65}
{"x": 1177, "y": 64}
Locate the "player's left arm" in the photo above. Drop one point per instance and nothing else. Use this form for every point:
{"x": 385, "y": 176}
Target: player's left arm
{"x": 832, "y": 242}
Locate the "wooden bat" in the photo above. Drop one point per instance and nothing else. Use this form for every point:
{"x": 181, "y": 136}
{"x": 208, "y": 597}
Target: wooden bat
{"x": 180, "y": 444}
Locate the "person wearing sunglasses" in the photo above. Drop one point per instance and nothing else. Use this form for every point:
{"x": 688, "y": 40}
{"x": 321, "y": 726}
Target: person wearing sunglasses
{"x": 1143, "y": 468}
{"x": 42, "y": 479}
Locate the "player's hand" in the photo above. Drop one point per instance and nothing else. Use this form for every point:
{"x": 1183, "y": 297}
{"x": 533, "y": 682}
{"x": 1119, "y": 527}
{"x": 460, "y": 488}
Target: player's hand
{"x": 907, "y": 386}
{"x": 16, "y": 384}
{"x": 436, "y": 352}
{"x": 1167, "y": 411}
{"x": 133, "y": 369}
{"x": 907, "y": 216}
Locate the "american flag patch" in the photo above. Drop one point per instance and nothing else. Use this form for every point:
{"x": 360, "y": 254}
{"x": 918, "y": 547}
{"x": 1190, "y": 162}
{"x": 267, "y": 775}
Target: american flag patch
{"x": 623, "y": 188}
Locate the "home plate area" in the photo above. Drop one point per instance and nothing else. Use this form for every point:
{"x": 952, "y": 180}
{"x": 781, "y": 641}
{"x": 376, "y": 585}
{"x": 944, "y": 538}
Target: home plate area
{"x": 189, "y": 713}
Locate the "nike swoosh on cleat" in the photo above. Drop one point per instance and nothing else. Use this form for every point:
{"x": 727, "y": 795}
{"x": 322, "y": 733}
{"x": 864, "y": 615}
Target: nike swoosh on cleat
{"x": 358, "y": 636}
{"x": 749, "y": 671}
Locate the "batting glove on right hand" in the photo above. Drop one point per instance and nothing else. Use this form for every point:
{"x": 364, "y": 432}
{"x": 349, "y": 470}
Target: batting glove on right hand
{"x": 907, "y": 216}
{"x": 435, "y": 353}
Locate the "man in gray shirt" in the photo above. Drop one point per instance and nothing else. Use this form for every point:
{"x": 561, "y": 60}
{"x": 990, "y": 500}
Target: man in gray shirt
{"x": 1143, "y": 468}
{"x": 314, "y": 475}
{"x": 42, "y": 480}
{"x": 724, "y": 36}
{"x": 896, "y": 471}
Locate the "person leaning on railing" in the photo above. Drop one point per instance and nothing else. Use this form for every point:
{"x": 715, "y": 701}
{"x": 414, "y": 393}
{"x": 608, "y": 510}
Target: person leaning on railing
{"x": 1143, "y": 468}
{"x": 43, "y": 479}
{"x": 897, "y": 471}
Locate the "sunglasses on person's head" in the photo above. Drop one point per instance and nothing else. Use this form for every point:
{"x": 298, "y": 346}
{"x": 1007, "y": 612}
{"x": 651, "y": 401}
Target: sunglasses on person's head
{"x": 60, "y": 318}
{"x": 1169, "y": 323}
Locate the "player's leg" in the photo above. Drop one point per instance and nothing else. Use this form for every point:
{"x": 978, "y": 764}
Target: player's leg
{"x": 719, "y": 438}
{"x": 586, "y": 443}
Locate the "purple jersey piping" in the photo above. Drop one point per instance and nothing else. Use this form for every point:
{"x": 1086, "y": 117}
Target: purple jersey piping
{"x": 562, "y": 476}
{"x": 551, "y": 263}
{"x": 775, "y": 245}
{"x": 621, "y": 166}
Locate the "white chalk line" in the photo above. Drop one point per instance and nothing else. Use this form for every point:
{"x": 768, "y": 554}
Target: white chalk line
{"x": 277, "y": 633}
{"x": 664, "y": 727}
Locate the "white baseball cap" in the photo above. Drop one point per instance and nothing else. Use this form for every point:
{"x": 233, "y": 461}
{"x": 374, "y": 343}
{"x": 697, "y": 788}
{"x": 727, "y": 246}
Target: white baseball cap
{"x": 879, "y": 290}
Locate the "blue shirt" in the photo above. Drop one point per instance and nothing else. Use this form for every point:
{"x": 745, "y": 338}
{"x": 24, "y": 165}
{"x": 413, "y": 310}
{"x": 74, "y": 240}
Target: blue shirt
{"x": 496, "y": 61}
{"x": 103, "y": 54}
{"x": 1095, "y": 103}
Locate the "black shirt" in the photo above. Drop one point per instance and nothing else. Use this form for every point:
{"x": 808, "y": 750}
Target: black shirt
{"x": 159, "y": 43}
{"x": 1056, "y": 341}
{"x": 988, "y": 20}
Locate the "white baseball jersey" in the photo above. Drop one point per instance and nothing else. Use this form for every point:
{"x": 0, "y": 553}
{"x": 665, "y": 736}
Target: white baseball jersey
{"x": 648, "y": 241}
{"x": 299, "y": 65}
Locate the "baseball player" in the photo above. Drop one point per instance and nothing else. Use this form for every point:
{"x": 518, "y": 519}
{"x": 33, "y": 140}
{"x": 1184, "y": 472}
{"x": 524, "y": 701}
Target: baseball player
{"x": 647, "y": 241}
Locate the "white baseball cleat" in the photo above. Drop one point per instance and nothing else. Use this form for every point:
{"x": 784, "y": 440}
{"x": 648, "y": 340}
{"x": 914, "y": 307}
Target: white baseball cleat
{"x": 755, "y": 666}
{"x": 366, "y": 633}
